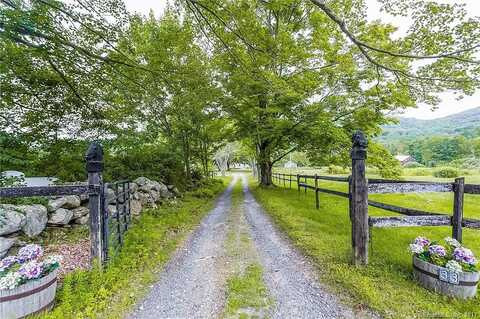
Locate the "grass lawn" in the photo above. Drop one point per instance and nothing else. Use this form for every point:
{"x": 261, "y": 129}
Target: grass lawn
{"x": 386, "y": 285}
{"x": 148, "y": 245}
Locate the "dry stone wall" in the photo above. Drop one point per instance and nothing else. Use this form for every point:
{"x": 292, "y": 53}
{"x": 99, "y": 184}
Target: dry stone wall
{"x": 64, "y": 211}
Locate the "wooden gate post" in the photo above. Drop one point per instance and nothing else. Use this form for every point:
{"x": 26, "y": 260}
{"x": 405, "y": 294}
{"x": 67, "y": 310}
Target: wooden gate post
{"x": 317, "y": 199}
{"x": 458, "y": 208}
{"x": 94, "y": 159}
{"x": 359, "y": 199}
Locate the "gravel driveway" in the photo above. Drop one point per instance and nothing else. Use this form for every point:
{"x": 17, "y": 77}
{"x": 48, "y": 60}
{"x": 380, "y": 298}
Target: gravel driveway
{"x": 288, "y": 275}
{"x": 192, "y": 284}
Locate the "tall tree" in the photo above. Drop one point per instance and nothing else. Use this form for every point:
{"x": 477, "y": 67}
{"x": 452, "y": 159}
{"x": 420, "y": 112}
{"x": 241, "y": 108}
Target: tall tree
{"x": 302, "y": 75}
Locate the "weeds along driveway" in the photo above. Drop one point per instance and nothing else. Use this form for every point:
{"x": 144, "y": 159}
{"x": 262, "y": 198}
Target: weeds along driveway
{"x": 192, "y": 284}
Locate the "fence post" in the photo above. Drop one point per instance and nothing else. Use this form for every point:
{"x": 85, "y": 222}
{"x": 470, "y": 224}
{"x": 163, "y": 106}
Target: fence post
{"x": 359, "y": 199}
{"x": 306, "y": 182}
{"x": 290, "y": 180}
{"x": 284, "y": 182}
{"x": 94, "y": 166}
{"x": 298, "y": 182}
{"x": 458, "y": 208}
{"x": 317, "y": 199}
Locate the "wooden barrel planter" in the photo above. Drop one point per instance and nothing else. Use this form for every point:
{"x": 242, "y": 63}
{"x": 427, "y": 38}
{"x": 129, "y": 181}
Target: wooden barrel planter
{"x": 33, "y": 297}
{"x": 441, "y": 280}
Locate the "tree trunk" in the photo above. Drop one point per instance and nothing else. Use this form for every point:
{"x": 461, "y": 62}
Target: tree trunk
{"x": 265, "y": 173}
{"x": 265, "y": 164}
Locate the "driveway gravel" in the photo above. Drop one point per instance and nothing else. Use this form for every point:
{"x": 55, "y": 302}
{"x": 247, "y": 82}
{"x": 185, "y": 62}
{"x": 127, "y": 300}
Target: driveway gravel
{"x": 192, "y": 284}
{"x": 290, "y": 277}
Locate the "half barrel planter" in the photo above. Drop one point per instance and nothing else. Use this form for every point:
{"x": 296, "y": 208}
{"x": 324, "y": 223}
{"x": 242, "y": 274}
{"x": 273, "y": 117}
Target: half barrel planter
{"x": 33, "y": 297}
{"x": 443, "y": 281}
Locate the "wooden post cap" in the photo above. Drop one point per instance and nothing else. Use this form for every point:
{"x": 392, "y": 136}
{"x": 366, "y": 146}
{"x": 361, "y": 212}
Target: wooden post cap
{"x": 359, "y": 147}
{"x": 94, "y": 158}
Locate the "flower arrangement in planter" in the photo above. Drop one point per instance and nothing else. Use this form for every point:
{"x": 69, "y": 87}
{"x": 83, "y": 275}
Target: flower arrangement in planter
{"x": 449, "y": 269}
{"x": 27, "y": 282}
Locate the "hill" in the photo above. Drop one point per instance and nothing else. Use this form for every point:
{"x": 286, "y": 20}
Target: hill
{"x": 464, "y": 123}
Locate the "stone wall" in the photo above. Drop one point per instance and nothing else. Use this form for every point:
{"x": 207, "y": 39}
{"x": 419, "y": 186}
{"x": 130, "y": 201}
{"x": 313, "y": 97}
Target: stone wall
{"x": 64, "y": 211}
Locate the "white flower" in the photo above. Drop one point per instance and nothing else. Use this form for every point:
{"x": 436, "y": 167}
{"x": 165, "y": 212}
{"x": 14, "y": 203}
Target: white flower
{"x": 453, "y": 265}
{"x": 416, "y": 248}
{"x": 10, "y": 280}
{"x": 453, "y": 242}
{"x": 53, "y": 259}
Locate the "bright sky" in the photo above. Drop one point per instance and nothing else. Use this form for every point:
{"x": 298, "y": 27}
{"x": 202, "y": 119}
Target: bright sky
{"x": 449, "y": 104}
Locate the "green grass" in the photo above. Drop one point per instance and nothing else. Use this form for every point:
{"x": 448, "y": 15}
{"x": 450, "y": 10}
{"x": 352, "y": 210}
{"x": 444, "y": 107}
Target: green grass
{"x": 386, "y": 285}
{"x": 247, "y": 295}
{"x": 148, "y": 245}
{"x": 246, "y": 291}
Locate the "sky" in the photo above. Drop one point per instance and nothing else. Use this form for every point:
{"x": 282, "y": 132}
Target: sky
{"x": 448, "y": 105}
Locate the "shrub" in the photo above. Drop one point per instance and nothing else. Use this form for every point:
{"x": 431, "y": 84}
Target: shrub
{"x": 446, "y": 172}
{"x": 418, "y": 172}
{"x": 413, "y": 165}
{"x": 334, "y": 169}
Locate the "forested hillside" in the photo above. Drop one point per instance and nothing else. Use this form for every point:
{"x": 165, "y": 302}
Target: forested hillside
{"x": 465, "y": 123}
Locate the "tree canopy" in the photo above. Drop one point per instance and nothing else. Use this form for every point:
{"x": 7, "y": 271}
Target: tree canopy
{"x": 281, "y": 76}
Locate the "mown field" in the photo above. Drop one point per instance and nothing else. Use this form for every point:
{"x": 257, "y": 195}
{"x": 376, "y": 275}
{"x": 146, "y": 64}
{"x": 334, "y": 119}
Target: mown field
{"x": 386, "y": 285}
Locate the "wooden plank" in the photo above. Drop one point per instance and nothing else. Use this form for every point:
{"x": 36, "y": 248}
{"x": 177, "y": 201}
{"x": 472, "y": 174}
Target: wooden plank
{"x": 389, "y": 181}
{"x": 306, "y": 186}
{"x": 332, "y": 192}
{"x": 307, "y": 176}
{"x": 409, "y": 221}
{"x": 458, "y": 209}
{"x": 334, "y": 178}
{"x": 359, "y": 201}
{"x": 407, "y": 187}
{"x": 471, "y": 223}
{"x": 472, "y": 189}
{"x": 401, "y": 210}
{"x": 43, "y": 191}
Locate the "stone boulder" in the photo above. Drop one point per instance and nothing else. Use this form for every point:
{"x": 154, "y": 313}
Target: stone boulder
{"x": 36, "y": 218}
{"x": 133, "y": 188}
{"x": 140, "y": 181}
{"x": 110, "y": 196}
{"x": 5, "y": 245}
{"x": 69, "y": 201}
{"x": 82, "y": 220}
{"x": 146, "y": 200}
{"x": 135, "y": 207}
{"x": 173, "y": 190}
{"x": 61, "y": 216}
{"x": 80, "y": 212}
{"x": 11, "y": 220}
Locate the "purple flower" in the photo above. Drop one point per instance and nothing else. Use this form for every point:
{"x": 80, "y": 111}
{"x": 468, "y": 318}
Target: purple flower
{"x": 7, "y": 262}
{"x": 422, "y": 241}
{"x": 29, "y": 252}
{"x": 437, "y": 250}
{"x": 31, "y": 270}
{"x": 464, "y": 255}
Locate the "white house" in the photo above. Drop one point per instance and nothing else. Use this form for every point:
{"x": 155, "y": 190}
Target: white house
{"x": 290, "y": 164}
{"x": 405, "y": 159}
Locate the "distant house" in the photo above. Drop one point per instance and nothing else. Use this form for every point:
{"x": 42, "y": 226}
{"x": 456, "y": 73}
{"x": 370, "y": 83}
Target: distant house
{"x": 405, "y": 159}
{"x": 290, "y": 164}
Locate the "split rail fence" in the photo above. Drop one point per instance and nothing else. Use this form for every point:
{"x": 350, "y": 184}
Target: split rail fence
{"x": 107, "y": 226}
{"x": 359, "y": 187}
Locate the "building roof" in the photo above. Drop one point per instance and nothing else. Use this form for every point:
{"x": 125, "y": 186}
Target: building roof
{"x": 402, "y": 158}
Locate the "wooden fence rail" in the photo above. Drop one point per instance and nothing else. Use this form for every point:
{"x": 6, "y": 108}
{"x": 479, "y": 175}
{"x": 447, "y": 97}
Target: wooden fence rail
{"x": 359, "y": 187}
